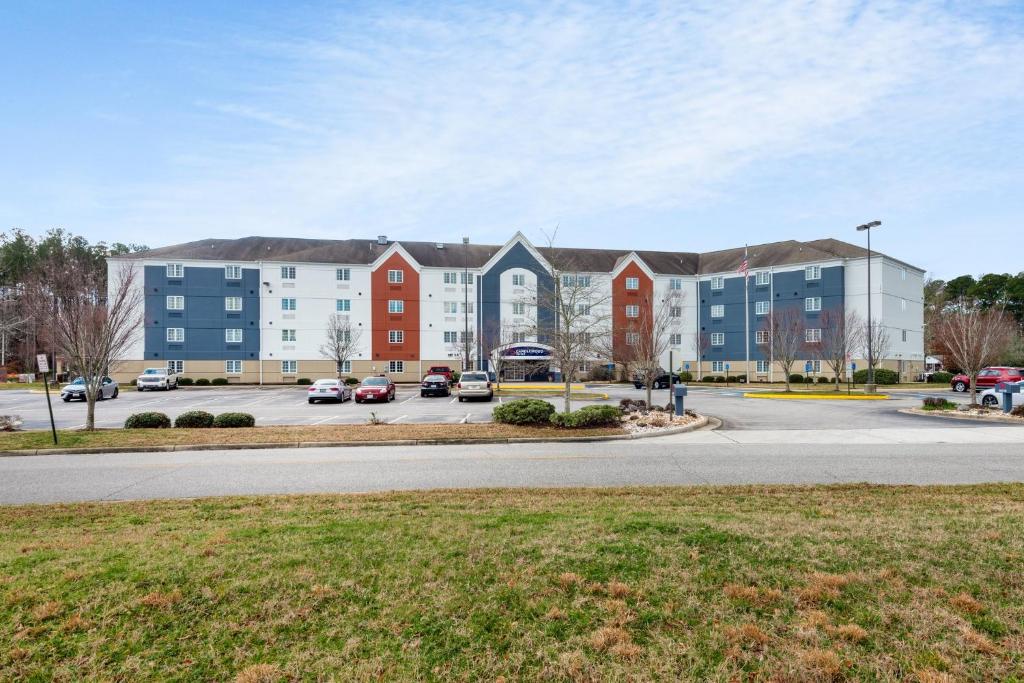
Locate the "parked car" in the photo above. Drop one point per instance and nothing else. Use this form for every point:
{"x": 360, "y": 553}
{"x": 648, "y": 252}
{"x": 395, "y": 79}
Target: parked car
{"x": 475, "y": 384}
{"x": 994, "y": 399}
{"x": 661, "y": 382}
{"x": 76, "y": 390}
{"x": 329, "y": 390}
{"x": 377, "y": 388}
{"x": 989, "y": 377}
{"x": 435, "y": 385}
{"x": 443, "y": 370}
{"x": 157, "y": 378}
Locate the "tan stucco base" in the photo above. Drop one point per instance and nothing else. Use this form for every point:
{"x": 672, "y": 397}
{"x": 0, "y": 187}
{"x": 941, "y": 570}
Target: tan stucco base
{"x": 127, "y": 370}
{"x": 910, "y": 369}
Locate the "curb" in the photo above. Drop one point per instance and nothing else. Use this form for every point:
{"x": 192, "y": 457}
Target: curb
{"x": 954, "y": 415}
{"x": 701, "y": 422}
{"x": 818, "y": 397}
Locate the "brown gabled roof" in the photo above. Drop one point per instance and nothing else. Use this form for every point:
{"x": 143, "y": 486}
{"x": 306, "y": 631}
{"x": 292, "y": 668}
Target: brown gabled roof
{"x": 457, "y": 255}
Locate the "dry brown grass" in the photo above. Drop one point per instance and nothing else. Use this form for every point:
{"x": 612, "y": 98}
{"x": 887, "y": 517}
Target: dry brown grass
{"x": 555, "y": 614}
{"x": 965, "y": 603}
{"x": 617, "y": 589}
{"x": 761, "y": 597}
{"x": 570, "y": 580}
{"x": 822, "y": 665}
{"x": 46, "y": 610}
{"x": 748, "y": 635}
{"x": 161, "y": 600}
{"x": 932, "y": 676}
{"x": 851, "y": 632}
{"x": 608, "y": 637}
{"x": 978, "y": 641}
{"x": 259, "y": 673}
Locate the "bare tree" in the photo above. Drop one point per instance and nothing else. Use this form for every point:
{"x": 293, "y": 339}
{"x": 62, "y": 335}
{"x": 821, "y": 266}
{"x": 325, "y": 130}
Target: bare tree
{"x": 465, "y": 349}
{"x": 973, "y": 338}
{"x": 640, "y": 346}
{"x": 786, "y": 334}
{"x": 12, "y": 320}
{"x": 341, "y": 342}
{"x": 841, "y": 333}
{"x": 701, "y": 344}
{"x": 496, "y": 338}
{"x": 876, "y": 343}
{"x": 92, "y": 322}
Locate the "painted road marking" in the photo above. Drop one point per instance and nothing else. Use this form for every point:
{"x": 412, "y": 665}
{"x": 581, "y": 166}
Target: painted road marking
{"x": 400, "y": 417}
{"x": 465, "y": 419}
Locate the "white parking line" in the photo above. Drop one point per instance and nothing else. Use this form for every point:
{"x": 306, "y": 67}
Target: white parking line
{"x": 321, "y": 421}
{"x": 454, "y": 399}
{"x": 400, "y": 417}
{"x": 406, "y": 400}
{"x": 465, "y": 419}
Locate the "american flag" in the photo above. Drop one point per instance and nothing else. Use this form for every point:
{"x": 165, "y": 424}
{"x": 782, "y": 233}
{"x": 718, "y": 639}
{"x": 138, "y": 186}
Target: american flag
{"x": 745, "y": 265}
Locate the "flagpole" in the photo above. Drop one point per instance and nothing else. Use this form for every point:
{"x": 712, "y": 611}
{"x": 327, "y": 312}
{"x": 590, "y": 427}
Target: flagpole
{"x": 746, "y": 309}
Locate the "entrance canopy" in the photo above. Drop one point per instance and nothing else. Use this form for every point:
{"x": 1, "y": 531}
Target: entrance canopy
{"x": 525, "y": 351}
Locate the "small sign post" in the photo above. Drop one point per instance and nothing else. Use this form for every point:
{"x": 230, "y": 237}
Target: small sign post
{"x": 44, "y": 367}
{"x": 726, "y": 374}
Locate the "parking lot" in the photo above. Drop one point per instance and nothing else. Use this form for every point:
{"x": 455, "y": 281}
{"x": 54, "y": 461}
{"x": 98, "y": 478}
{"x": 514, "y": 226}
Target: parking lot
{"x": 289, "y": 406}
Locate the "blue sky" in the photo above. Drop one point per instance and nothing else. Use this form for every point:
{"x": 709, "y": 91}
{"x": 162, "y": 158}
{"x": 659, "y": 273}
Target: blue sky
{"x": 684, "y": 126}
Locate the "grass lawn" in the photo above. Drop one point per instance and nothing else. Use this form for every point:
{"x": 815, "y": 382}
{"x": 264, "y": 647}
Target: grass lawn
{"x": 6, "y": 386}
{"x": 781, "y": 584}
{"x": 285, "y": 434}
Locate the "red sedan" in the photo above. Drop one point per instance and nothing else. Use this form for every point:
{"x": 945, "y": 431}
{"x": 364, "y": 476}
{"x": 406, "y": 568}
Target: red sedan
{"x": 375, "y": 389}
{"x": 987, "y": 378}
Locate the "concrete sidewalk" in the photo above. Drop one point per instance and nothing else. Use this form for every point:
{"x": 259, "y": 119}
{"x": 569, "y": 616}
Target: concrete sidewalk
{"x": 980, "y": 436}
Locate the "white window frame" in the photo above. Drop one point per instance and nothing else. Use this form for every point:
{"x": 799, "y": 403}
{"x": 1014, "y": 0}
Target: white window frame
{"x": 903, "y": 305}
{"x": 396, "y": 366}
{"x": 903, "y": 274}
{"x": 287, "y": 335}
{"x": 451, "y": 307}
{"x": 176, "y": 335}
{"x": 289, "y": 304}
{"x": 342, "y": 274}
{"x": 345, "y": 367}
{"x": 812, "y": 304}
{"x": 675, "y": 311}
{"x": 518, "y": 337}
{"x": 229, "y": 336}
{"x": 812, "y": 335}
{"x": 761, "y": 337}
{"x": 903, "y": 335}
{"x": 632, "y": 338}
{"x": 396, "y": 277}
{"x": 632, "y": 311}
{"x": 763, "y": 278}
{"x": 288, "y": 272}
{"x": 289, "y": 367}
{"x": 718, "y": 366}
{"x": 632, "y": 284}
{"x": 675, "y": 283}
{"x": 467, "y": 310}
{"x": 762, "y": 307}
{"x": 450, "y": 277}
{"x": 518, "y": 308}
{"x": 583, "y": 309}
{"x": 396, "y": 336}
{"x": 465, "y": 278}
{"x": 763, "y": 367}
{"x": 175, "y": 270}
{"x": 176, "y": 366}
{"x": 232, "y": 272}
{"x": 717, "y": 283}
{"x": 812, "y": 273}
{"x": 229, "y": 300}
{"x": 451, "y": 337}
{"x": 396, "y": 306}
{"x": 675, "y": 339}
{"x": 518, "y": 280}
{"x": 232, "y": 367}
{"x": 718, "y": 311}
{"x": 343, "y": 305}
{"x": 718, "y": 338}
{"x": 174, "y": 299}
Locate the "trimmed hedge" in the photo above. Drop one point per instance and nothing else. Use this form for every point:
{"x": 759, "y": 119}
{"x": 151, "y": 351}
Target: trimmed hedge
{"x": 940, "y": 378}
{"x": 351, "y": 381}
{"x": 234, "y": 420}
{"x": 304, "y": 381}
{"x": 1017, "y": 411}
{"x": 524, "y": 411}
{"x": 185, "y": 381}
{"x": 134, "y": 381}
{"x": 149, "y": 420}
{"x": 809, "y": 379}
{"x": 219, "y": 381}
{"x": 685, "y": 376}
{"x": 825, "y": 380}
{"x": 202, "y": 382}
{"x": 938, "y": 402}
{"x": 717, "y": 379}
{"x": 588, "y": 416}
{"x": 731, "y": 379}
{"x": 796, "y": 378}
{"x": 882, "y": 376}
{"x": 194, "y": 419}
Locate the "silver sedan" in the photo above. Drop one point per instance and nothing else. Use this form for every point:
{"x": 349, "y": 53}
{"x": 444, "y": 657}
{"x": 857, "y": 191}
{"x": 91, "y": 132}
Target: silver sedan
{"x": 76, "y": 390}
{"x": 329, "y": 390}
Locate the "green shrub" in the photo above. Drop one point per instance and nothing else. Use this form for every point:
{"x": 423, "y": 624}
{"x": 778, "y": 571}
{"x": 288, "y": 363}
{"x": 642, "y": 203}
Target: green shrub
{"x": 588, "y": 416}
{"x": 731, "y": 379}
{"x": 686, "y": 376}
{"x": 147, "y": 421}
{"x": 809, "y": 379}
{"x": 718, "y": 379}
{"x": 351, "y": 381}
{"x": 940, "y": 378}
{"x": 194, "y": 419}
{"x": 742, "y": 378}
{"x": 524, "y": 411}
{"x": 219, "y": 381}
{"x": 456, "y": 375}
{"x": 185, "y": 381}
{"x": 202, "y": 382}
{"x": 825, "y": 380}
{"x": 882, "y": 376}
{"x": 134, "y": 381}
{"x": 304, "y": 381}
{"x": 938, "y": 403}
{"x": 796, "y": 378}
{"x": 234, "y": 420}
{"x": 1017, "y": 411}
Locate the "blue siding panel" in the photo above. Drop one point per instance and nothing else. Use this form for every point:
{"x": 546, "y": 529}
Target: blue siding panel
{"x": 490, "y": 289}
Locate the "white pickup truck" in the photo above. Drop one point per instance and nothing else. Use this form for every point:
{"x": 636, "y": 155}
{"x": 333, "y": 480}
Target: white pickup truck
{"x": 157, "y": 379}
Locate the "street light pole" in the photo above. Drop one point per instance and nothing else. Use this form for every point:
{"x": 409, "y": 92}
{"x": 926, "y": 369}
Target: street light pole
{"x": 465, "y": 310}
{"x": 869, "y": 388}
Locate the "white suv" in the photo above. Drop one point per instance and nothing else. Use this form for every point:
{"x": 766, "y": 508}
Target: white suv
{"x": 157, "y": 378}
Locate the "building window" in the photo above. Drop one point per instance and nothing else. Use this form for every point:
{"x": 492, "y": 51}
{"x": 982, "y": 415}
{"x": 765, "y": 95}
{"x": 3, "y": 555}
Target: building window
{"x": 466, "y": 278}
{"x": 177, "y": 366}
{"x": 175, "y": 270}
{"x": 451, "y": 307}
{"x": 632, "y": 283}
{"x": 345, "y": 367}
{"x": 233, "y": 336}
{"x": 576, "y": 280}
{"x": 815, "y": 365}
{"x": 396, "y": 306}
{"x": 762, "y": 367}
{"x": 675, "y": 339}
{"x": 287, "y": 272}
{"x": 718, "y": 338}
{"x": 287, "y": 304}
{"x": 632, "y": 338}
{"x": 465, "y": 337}
{"x": 583, "y": 309}
{"x": 718, "y": 282}
{"x": 675, "y": 312}
{"x": 903, "y": 305}
{"x": 762, "y": 307}
{"x": 396, "y": 277}
{"x": 761, "y": 337}
{"x": 467, "y": 308}
{"x": 396, "y": 336}
{"x": 396, "y": 366}
{"x": 232, "y": 367}
{"x": 717, "y": 366}
{"x": 451, "y": 337}
{"x": 287, "y": 335}
{"x": 175, "y": 303}
{"x": 675, "y": 283}
{"x": 764, "y": 278}
{"x": 718, "y": 311}
{"x": 232, "y": 303}
{"x": 812, "y": 335}
{"x": 904, "y": 335}
{"x": 342, "y": 305}
{"x": 518, "y": 337}
{"x": 344, "y": 336}
{"x": 343, "y": 274}
{"x": 812, "y": 273}
{"x": 175, "y": 334}
{"x": 632, "y": 311}
{"x": 289, "y": 367}
{"x": 518, "y": 308}
{"x": 450, "y": 277}
{"x": 812, "y": 303}
{"x": 518, "y": 280}
{"x": 903, "y": 273}
{"x": 233, "y": 272}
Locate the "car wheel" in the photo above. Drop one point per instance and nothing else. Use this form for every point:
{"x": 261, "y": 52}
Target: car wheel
{"x": 490, "y": 397}
{"x": 311, "y": 401}
{"x": 461, "y": 399}
{"x": 116, "y": 390}
{"x": 66, "y": 399}
{"x": 139, "y": 388}
{"x": 960, "y": 386}
{"x": 990, "y": 401}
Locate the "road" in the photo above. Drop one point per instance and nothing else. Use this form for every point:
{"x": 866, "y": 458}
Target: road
{"x": 936, "y": 455}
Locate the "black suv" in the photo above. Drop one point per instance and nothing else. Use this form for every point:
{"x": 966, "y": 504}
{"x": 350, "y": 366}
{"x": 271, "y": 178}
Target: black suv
{"x": 660, "y": 383}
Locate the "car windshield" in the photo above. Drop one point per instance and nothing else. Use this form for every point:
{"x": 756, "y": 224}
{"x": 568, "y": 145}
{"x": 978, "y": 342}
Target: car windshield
{"x": 154, "y": 371}
{"x": 435, "y": 378}
{"x": 375, "y": 382}
{"x": 474, "y": 377}
{"x": 326, "y": 382}
{"x": 79, "y": 380}
{"x": 440, "y": 370}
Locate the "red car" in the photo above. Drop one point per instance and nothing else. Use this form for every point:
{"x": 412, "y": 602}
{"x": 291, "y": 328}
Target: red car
{"x": 441, "y": 370}
{"x": 989, "y": 377}
{"x": 378, "y": 388}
